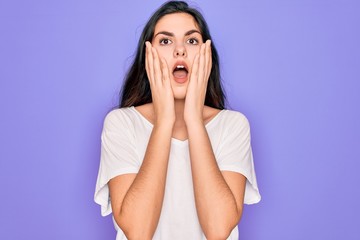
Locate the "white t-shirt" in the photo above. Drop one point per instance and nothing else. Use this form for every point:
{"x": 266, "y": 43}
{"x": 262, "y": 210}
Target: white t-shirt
{"x": 123, "y": 144}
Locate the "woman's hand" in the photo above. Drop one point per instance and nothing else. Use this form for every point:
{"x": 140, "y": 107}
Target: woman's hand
{"x": 161, "y": 91}
{"x": 196, "y": 91}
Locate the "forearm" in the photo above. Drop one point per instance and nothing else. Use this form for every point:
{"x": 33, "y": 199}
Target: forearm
{"x": 141, "y": 207}
{"x": 215, "y": 203}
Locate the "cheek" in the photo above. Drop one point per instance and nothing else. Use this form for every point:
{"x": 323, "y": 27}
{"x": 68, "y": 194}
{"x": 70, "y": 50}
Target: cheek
{"x": 192, "y": 53}
{"x": 164, "y": 52}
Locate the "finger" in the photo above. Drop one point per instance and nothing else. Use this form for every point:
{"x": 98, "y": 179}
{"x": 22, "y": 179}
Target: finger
{"x": 146, "y": 59}
{"x": 201, "y": 70}
{"x": 150, "y": 63}
{"x": 165, "y": 71}
{"x": 157, "y": 70}
{"x": 208, "y": 60}
{"x": 195, "y": 68}
{"x": 146, "y": 55}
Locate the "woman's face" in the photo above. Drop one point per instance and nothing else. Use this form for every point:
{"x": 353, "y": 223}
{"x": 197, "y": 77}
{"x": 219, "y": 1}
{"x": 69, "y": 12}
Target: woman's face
{"x": 177, "y": 39}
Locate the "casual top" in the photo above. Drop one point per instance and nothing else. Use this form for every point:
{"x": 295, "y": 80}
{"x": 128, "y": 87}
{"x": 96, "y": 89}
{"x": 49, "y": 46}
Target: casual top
{"x": 124, "y": 141}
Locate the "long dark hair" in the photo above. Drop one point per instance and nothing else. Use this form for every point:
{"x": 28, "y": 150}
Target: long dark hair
{"x": 136, "y": 89}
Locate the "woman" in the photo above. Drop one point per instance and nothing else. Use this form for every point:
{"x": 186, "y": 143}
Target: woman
{"x": 174, "y": 162}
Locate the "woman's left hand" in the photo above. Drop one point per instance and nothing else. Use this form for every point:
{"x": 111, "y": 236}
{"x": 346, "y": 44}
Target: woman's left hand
{"x": 196, "y": 90}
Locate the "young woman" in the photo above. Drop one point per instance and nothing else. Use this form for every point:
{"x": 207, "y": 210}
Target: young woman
{"x": 174, "y": 163}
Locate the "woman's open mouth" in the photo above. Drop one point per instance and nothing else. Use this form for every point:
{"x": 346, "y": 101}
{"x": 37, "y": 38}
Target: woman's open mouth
{"x": 180, "y": 73}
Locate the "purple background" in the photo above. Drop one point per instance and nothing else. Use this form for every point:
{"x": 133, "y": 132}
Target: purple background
{"x": 292, "y": 67}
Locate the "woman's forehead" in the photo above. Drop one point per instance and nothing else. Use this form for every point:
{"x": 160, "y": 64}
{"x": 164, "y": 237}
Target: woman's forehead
{"x": 177, "y": 23}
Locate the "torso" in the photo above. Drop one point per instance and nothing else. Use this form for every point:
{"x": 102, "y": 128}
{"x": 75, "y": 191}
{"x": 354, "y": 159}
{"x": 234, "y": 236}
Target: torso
{"x": 179, "y": 130}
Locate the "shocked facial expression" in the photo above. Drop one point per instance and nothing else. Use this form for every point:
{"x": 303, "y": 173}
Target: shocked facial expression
{"x": 177, "y": 39}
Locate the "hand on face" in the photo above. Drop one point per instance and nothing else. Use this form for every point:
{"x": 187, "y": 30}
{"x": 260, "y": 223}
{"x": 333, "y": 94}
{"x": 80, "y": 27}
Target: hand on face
{"x": 160, "y": 84}
{"x": 196, "y": 90}
{"x": 159, "y": 77}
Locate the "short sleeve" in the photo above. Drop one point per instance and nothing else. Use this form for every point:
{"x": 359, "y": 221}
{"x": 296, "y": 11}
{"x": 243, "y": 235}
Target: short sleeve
{"x": 118, "y": 155}
{"x": 235, "y": 154}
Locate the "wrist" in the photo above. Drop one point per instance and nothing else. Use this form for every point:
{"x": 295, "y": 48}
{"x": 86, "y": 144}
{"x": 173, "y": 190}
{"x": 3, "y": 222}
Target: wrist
{"x": 194, "y": 122}
{"x": 164, "y": 123}
{"x": 193, "y": 115}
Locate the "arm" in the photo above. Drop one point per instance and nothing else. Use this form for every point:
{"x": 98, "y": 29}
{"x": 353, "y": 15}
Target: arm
{"x": 218, "y": 195}
{"x": 137, "y": 199}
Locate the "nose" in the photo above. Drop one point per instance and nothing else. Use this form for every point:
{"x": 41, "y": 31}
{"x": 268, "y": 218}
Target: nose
{"x": 180, "y": 51}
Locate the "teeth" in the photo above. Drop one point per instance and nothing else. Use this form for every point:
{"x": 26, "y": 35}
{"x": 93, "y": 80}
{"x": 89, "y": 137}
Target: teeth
{"x": 180, "y": 66}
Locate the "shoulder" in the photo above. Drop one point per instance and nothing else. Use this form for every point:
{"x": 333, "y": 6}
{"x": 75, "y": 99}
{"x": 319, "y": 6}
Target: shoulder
{"x": 232, "y": 117}
{"x": 118, "y": 114}
{"x": 118, "y": 117}
{"x": 147, "y": 111}
{"x": 235, "y": 126}
{"x": 210, "y": 114}
{"x": 230, "y": 123}
{"x": 235, "y": 116}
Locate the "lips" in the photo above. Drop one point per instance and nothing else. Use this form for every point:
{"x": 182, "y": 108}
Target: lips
{"x": 180, "y": 72}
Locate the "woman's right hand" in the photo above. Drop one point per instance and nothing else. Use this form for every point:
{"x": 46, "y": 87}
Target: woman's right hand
{"x": 161, "y": 91}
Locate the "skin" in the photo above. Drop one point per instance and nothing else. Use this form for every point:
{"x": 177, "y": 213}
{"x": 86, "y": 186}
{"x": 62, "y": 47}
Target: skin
{"x": 178, "y": 111}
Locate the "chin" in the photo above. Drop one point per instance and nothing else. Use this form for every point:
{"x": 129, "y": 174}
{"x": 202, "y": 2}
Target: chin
{"x": 179, "y": 94}
{"x": 179, "y": 90}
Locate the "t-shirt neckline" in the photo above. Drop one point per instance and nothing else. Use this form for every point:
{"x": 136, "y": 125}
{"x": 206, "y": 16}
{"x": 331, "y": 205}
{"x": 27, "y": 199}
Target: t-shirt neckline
{"x": 175, "y": 140}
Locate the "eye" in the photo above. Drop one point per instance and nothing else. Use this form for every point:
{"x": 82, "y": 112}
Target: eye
{"x": 165, "y": 41}
{"x": 193, "y": 41}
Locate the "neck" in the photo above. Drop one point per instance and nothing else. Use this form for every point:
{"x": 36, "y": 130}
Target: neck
{"x": 179, "y": 112}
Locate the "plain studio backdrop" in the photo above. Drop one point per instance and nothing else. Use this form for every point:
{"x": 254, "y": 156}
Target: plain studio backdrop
{"x": 292, "y": 67}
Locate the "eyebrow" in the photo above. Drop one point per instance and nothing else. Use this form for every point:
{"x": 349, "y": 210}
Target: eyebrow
{"x": 172, "y": 34}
